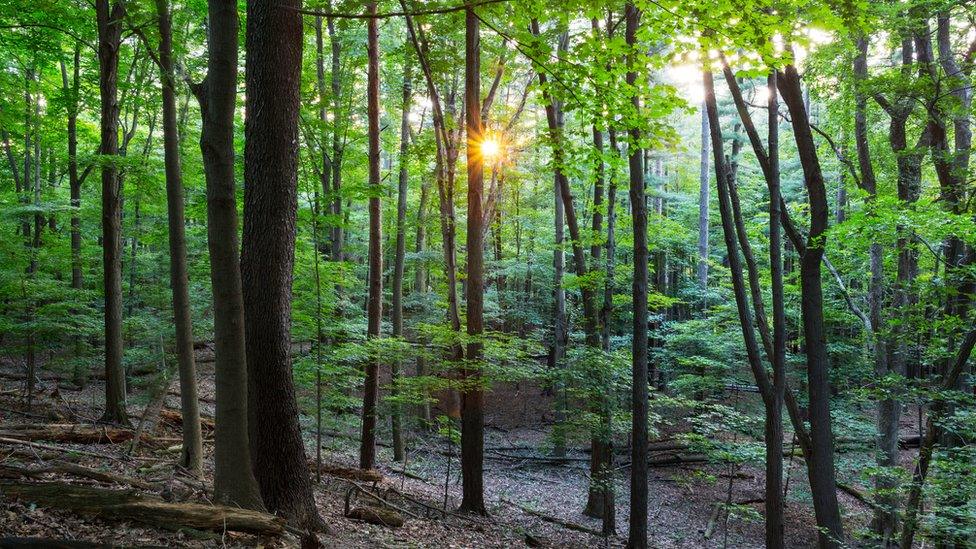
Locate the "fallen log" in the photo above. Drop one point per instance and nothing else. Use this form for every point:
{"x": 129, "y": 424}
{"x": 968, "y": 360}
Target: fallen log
{"x": 131, "y": 506}
{"x": 71, "y": 432}
{"x": 554, "y": 520}
{"x": 175, "y": 418}
{"x": 13, "y": 472}
{"x": 375, "y": 515}
{"x": 349, "y": 473}
{"x": 7, "y": 440}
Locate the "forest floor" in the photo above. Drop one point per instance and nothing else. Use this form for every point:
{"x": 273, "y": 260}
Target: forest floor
{"x": 528, "y": 495}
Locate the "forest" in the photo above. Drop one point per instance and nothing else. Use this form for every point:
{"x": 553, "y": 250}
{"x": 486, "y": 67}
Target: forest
{"x": 487, "y": 273}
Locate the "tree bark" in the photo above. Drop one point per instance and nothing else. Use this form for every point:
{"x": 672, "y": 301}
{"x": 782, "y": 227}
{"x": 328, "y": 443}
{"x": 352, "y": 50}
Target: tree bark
{"x": 367, "y": 448}
{"x": 192, "y": 454}
{"x": 637, "y": 534}
{"x": 110, "y": 18}
{"x": 724, "y": 184}
{"x": 821, "y": 463}
{"x": 472, "y": 396}
{"x": 234, "y": 483}
{"x": 274, "y": 37}
{"x": 775, "y": 521}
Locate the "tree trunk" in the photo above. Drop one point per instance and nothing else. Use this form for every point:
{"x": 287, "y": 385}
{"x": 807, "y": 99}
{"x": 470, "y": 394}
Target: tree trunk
{"x": 472, "y": 397}
{"x": 367, "y": 449}
{"x": 560, "y": 333}
{"x": 192, "y": 454}
{"x": 702, "y": 270}
{"x": 110, "y": 21}
{"x": 637, "y": 534}
{"x": 337, "y": 142}
{"x": 74, "y": 180}
{"x": 401, "y": 251}
{"x": 598, "y": 491}
{"x": 821, "y": 463}
{"x": 724, "y": 184}
{"x": 234, "y": 482}
{"x": 606, "y": 311}
{"x": 274, "y": 37}
{"x": 775, "y": 521}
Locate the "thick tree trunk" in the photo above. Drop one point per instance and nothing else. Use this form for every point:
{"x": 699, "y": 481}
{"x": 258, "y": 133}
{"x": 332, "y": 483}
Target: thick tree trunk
{"x": 472, "y": 396}
{"x": 821, "y": 463}
{"x": 637, "y": 535}
{"x": 192, "y": 454}
{"x": 234, "y": 483}
{"x": 274, "y": 37}
{"x": 401, "y": 251}
{"x": 374, "y": 307}
{"x": 110, "y": 20}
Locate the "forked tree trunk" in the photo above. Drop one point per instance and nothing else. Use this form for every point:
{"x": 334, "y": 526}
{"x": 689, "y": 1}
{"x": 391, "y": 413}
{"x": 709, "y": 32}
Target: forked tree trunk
{"x": 472, "y": 396}
{"x": 274, "y": 37}
{"x": 110, "y": 21}
{"x": 234, "y": 482}
{"x": 821, "y": 463}
{"x": 374, "y": 307}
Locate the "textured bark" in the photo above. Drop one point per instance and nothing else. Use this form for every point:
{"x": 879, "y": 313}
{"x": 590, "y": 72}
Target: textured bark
{"x": 191, "y": 456}
{"x": 234, "y": 483}
{"x": 637, "y": 535}
{"x": 374, "y": 305}
{"x": 401, "y": 250}
{"x": 821, "y": 463}
{"x": 472, "y": 396}
{"x": 110, "y": 20}
{"x": 274, "y": 37}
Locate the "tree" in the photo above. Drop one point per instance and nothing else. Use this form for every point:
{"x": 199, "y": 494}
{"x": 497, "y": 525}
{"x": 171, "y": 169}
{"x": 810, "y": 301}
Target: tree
{"x": 234, "y": 483}
{"x": 472, "y": 397}
{"x": 374, "y": 306}
{"x": 821, "y": 463}
{"x": 637, "y": 534}
{"x": 401, "y": 248}
{"x": 110, "y": 18}
{"x": 192, "y": 452}
{"x": 274, "y": 37}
